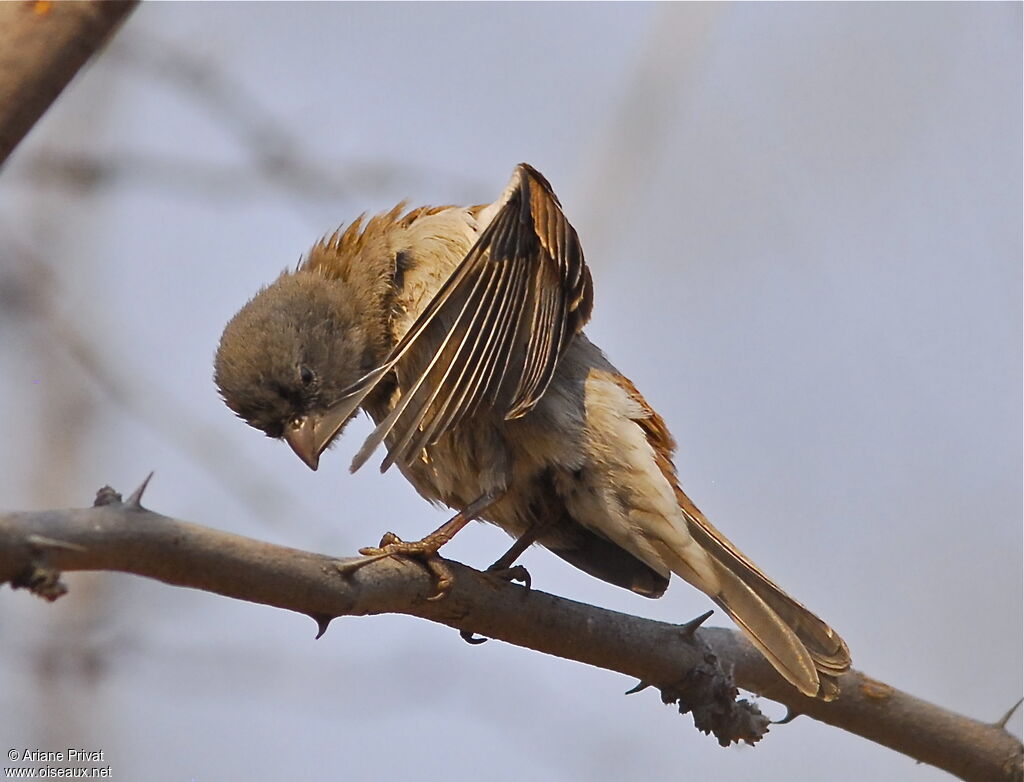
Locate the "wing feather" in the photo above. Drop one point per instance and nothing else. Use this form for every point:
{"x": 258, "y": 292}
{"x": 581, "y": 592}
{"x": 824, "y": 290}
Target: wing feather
{"x": 448, "y": 375}
{"x": 463, "y": 394}
{"x": 494, "y": 332}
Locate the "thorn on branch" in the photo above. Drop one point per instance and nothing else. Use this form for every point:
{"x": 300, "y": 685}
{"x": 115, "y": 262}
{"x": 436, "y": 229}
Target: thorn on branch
{"x": 135, "y": 500}
{"x": 323, "y": 621}
{"x": 690, "y": 628}
{"x": 1001, "y": 723}
{"x": 350, "y": 565}
{"x": 640, "y": 686}
{"x": 791, "y": 714}
{"x": 41, "y": 542}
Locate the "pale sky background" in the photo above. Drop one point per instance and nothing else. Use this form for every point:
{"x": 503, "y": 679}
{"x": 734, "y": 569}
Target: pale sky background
{"x": 804, "y": 225}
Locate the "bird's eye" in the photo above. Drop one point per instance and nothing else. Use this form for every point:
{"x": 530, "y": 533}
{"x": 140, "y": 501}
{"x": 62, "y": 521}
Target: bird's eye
{"x": 307, "y": 375}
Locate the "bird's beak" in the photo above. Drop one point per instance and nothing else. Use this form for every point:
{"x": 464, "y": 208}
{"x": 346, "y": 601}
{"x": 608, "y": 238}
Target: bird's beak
{"x": 310, "y": 434}
{"x": 301, "y": 436}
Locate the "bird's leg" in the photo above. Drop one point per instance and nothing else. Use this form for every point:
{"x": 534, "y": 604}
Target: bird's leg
{"x": 426, "y": 549}
{"x": 503, "y": 569}
{"x": 503, "y": 566}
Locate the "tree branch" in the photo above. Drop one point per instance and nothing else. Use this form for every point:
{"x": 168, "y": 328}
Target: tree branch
{"x": 42, "y": 46}
{"x": 693, "y": 666}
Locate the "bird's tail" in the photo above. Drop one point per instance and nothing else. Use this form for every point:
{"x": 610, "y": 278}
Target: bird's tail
{"x": 807, "y": 652}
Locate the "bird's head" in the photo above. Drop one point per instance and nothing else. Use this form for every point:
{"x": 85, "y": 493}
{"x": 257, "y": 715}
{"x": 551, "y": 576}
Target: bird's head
{"x": 286, "y": 358}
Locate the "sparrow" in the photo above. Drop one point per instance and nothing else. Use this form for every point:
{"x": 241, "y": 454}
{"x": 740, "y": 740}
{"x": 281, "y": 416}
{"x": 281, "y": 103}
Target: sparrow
{"x": 459, "y": 330}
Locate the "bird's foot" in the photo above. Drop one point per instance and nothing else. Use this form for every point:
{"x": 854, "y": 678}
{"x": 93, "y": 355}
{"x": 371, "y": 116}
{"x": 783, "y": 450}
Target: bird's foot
{"x": 515, "y": 573}
{"x": 423, "y": 550}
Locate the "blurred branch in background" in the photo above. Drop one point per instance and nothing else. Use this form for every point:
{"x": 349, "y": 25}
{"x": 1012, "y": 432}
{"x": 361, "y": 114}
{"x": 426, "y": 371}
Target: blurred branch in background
{"x": 78, "y": 170}
{"x": 624, "y": 157}
{"x": 274, "y": 149}
{"x": 691, "y": 666}
{"x": 278, "y": 156}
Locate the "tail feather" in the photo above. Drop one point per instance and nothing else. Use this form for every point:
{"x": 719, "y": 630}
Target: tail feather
{"x": 803, "y": 648}
{"x": 773, "y": 637}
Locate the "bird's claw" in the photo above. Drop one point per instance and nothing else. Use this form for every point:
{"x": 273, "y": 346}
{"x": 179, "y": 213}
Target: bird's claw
{"x": 516, "y": 573}
{"x": 387, "y": 539}
{"x": 472, "y": 638}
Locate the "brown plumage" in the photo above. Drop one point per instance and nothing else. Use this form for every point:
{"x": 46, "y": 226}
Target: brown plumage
{"x": 459, "y": 331}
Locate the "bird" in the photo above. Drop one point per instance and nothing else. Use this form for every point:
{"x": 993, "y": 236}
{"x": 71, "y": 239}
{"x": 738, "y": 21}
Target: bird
{"x": 459, "y": 331}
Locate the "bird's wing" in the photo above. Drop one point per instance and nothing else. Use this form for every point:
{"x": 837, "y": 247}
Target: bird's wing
{"x": 500, "y": 324}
